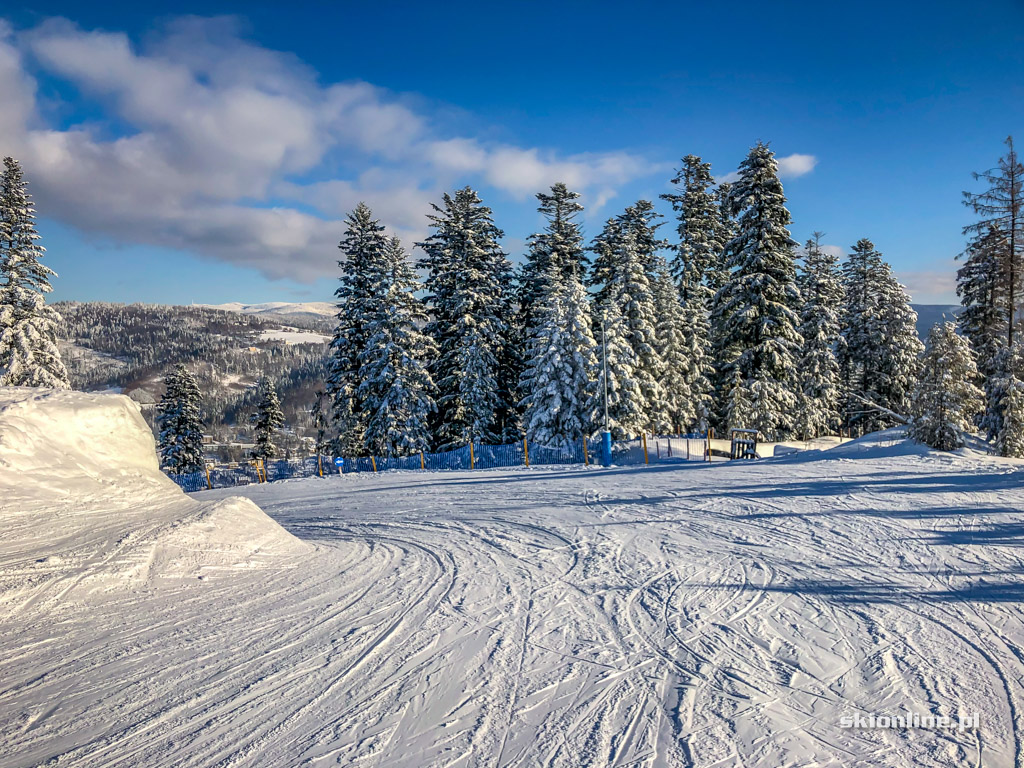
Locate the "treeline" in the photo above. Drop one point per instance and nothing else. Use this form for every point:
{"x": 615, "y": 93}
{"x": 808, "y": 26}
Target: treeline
{"x": 725, "y": 324}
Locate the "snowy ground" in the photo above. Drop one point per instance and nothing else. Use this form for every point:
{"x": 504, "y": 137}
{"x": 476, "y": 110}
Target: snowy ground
{"x": 722, "y": 615}
{"x": 295, "y": 336}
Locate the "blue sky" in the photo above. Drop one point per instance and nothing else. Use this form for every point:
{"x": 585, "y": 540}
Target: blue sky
{"x": 209, "y": 152}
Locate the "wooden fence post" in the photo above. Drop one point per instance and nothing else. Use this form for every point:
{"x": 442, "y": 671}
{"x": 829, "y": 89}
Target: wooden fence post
{"x": 209, "y": 485}
{"x": 423, "y": 464}
{"x": 526, "y": 453}
{"x": 643, "y": 438}
{"x": 586, "y": 459}
{"x": 472, "y": 460}
{"x": 373, "y": 461}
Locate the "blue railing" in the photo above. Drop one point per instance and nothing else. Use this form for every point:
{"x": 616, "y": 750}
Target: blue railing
{"x": 659, "y": 449}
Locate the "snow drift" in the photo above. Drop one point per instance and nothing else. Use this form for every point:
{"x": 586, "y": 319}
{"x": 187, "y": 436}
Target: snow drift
{"x": 86, "y": 509}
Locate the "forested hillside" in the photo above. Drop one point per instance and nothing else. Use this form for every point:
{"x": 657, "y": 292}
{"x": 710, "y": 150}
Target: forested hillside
{"x": 131, "y": 347}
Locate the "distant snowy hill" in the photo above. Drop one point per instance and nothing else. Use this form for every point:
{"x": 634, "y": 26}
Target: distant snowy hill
{"x": 310, "y": 310}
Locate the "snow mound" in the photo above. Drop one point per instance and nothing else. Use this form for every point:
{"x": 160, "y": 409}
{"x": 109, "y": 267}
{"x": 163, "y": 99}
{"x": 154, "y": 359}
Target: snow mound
{"x": 86, "y": 509}
{"x": 56, "y": 443}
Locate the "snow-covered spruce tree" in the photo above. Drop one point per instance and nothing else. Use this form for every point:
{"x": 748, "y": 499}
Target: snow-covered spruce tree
{"x": 1010, "y": 440}
{"x": 267, "y": 420}
{"x": 860, "y": 333}
{"x": 29, "y": 356}
{"x": 945, "y": 398}
{"x": 554, "y": 254}
{"x": 758, "y": 310}
{"x": 558, "y": 382}
{"x": 718, "y": 270}
{"x": 363, "y": 248}
{"x": 511, "y": 364}
{"x": 867, "y": 347}
{"x": 700, "y": 246}
{"x": 467, "y": 275}
{"x": 899, "y": 361}
{"x": 982, "y": 288}
{"x": 179, "y": 423}
{"x": 639, "y": 222}
{"x": 394, "y": 385}
{"x": 821, "y": 288}
{"x": 618, "y": 377}
{"x": 604, "y": 264}
{"x": 682, "y": 376}
{"x": 695, "y": 264}
{"x": 633, "y": 297}
{"x": 859, "y": 348}
{"x": 1001, "y": 207}
{"x": 716, "y": 278}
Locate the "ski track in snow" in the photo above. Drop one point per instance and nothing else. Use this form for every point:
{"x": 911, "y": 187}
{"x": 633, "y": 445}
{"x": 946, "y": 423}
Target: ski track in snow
{"x": 687, "y": 615}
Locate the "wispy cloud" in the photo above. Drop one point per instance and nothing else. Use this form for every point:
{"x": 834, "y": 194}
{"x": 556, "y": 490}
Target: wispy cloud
{"x": 931, "y": 286}
{"x": 221, "y": 143}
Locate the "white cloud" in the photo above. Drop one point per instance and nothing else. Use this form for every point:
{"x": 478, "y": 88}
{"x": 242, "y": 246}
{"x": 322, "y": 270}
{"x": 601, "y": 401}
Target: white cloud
{"x": 795, "y": 165}
{"x": 217, "y": 138}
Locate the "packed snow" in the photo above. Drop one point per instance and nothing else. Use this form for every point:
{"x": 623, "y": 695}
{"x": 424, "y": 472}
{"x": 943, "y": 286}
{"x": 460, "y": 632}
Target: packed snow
{"x": 730, "y": 614}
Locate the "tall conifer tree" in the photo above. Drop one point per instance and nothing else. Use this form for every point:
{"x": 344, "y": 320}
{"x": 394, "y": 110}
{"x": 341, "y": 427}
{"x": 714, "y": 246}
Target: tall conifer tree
{"x": 758, "y": 311}
{"x": 555, "y": 253}
{"x": 1001, "y": 207}
{"x": 267, "y": 420}
{"x": 179, "y": 423}
{"x": 29, "y": 356}
{"x": 394, "y": 383}
{"x": 878, "y": 347}
{"x": 363, "y": 249}
{"x": 682, "y": 375}
{"x": 945, "y": 398}
{"x": 559, "y": 404}
{"x": 822, "y": 292}
{"x": 467, "y": 276}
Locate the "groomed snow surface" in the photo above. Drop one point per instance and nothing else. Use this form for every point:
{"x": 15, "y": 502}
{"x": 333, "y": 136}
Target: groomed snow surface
{"x": 723, "y": 615}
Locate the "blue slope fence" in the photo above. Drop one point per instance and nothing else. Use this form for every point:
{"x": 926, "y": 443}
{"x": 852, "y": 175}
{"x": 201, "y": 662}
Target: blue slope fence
{"x": 624, "y": 453}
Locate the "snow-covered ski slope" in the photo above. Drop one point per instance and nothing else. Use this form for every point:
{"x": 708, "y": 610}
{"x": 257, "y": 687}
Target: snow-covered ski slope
{"x": 723, "y": 615}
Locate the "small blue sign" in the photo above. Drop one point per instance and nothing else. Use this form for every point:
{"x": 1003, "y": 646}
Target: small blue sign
{"x": 339, "y": 462}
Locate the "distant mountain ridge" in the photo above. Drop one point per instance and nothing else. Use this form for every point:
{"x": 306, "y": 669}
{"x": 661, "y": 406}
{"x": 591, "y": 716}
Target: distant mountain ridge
{"x": 930, "y": 314}
{"x": 927, "y": 314}
{"x": 318, "y": 311}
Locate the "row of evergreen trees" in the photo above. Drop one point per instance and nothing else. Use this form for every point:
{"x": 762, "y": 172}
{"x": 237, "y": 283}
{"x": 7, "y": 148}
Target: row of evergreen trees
{"x": 719, "y": 328}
